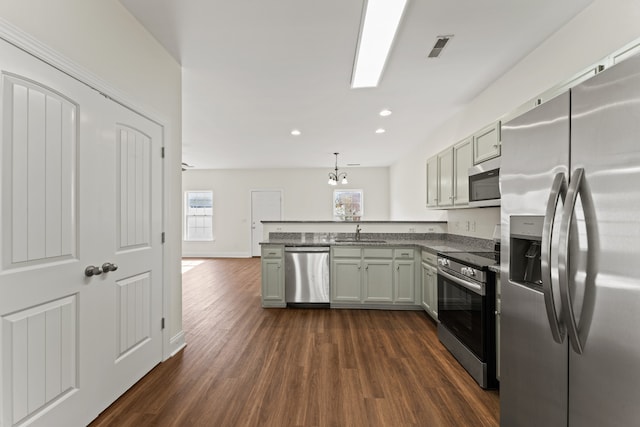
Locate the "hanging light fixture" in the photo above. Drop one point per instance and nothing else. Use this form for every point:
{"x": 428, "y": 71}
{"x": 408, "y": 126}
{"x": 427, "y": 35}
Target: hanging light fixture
{"x": 336, "y": 176}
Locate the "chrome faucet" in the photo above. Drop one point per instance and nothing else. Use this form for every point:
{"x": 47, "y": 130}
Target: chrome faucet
{"x": 358, "y": 232}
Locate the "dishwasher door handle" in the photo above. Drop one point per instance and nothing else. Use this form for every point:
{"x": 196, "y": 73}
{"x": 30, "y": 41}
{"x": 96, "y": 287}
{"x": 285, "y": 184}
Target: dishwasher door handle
{"x": 309, "y": 249}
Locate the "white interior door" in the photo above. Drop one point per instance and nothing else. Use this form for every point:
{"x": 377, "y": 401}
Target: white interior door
{"x": 130, "y": 212}
{"x": 266, "y": 205}
{"x": 70, "y": 343}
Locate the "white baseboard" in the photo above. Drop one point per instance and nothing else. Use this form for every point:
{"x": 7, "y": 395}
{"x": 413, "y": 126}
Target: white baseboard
{"x": 176, "y": 343}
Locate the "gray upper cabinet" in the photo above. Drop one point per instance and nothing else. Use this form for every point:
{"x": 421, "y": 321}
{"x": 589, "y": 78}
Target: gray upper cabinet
{"x": 462, "y": 161}
{"x": 486, "y": 143}
{"x": 445, "y": 178}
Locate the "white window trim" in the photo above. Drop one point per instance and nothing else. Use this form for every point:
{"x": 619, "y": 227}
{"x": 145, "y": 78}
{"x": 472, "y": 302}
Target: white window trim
{"x": 186, "y": 216}
{"x": 345, "y": 217}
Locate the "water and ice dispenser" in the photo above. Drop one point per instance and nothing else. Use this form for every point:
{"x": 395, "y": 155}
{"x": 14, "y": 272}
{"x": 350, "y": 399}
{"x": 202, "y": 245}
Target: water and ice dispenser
{"x": 525, "y": 237}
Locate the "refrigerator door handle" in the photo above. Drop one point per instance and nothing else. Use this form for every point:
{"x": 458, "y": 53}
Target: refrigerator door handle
{"x": 558, "y": 190}
{"x": 563, "y": 259}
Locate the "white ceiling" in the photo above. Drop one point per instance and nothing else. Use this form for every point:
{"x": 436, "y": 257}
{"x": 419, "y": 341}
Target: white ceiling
{"x": 253, "y": 70}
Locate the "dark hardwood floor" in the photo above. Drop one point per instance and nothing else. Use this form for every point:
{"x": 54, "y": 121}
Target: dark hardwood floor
{"x": 249, "y": 366}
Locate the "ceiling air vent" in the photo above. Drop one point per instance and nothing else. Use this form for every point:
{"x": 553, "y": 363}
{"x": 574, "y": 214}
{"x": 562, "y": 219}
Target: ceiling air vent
{"x": 441, "y": 42}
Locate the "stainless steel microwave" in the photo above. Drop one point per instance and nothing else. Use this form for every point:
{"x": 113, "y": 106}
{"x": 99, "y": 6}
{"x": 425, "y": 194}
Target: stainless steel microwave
{"x": 484, "y": 184}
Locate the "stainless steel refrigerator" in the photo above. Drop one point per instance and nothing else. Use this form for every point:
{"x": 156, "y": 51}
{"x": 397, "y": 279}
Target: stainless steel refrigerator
{"x": 570, "y": 258}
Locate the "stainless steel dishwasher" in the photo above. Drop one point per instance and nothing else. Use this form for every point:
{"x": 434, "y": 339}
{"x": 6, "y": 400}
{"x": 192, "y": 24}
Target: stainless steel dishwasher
{"x": 306, "y": 275}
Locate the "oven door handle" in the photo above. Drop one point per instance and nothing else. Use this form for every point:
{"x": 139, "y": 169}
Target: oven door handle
{"x": 473, "y": 287}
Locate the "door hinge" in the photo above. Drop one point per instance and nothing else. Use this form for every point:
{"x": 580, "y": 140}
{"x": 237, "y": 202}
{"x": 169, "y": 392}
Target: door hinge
{"x": 162, "y": 237}
{"x": 162, "y": 152}
{"x": 163, "y": 323}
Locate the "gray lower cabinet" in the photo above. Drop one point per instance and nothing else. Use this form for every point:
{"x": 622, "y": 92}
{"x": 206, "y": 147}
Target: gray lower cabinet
{"x": 429, "y": 284}
{"x": 404, "y": 282}
{"x": 346, "y": 280}
{"x": 273, "y": 276}
{"x": 346, "y": 274}
{"x": 373, "y": 276}
{"x": 405, "y": 276}
{"x": 378, "y": 275}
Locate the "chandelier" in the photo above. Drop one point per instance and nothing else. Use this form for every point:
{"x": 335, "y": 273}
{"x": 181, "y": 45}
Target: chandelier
{"x": 336, "y": 176}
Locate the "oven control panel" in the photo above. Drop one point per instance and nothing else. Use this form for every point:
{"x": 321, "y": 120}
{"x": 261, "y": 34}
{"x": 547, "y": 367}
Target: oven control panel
{"x": 443, "y": 262}
{"x": 468, "y": 271}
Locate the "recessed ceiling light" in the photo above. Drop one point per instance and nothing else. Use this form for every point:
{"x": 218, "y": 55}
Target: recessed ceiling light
{"x": 378, "y": 27}
{"x": 380, "y": 130}
{"x": 386, "y": 112}
{"x": 295, "y": 132}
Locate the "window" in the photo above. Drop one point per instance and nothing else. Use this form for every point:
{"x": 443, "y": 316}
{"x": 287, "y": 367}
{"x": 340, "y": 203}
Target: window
{"x": 198, "y": 215}
{"x": 347, "y": 205}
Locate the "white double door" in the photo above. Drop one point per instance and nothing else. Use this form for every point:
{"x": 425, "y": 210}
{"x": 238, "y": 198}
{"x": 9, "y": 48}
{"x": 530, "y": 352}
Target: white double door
{"x": 81, "y": 185}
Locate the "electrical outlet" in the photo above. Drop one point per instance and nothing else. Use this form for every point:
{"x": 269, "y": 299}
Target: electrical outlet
{"x": 467, "y": 225}
{"x": 412, "y": 230}
{"x": 473, "y": 226}
{"x": 278, "y": 228}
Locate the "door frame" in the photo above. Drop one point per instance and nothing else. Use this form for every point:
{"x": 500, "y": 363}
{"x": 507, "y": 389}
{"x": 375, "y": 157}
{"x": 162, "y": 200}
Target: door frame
{"x": 22, "y": 40}
{"x": 251, "y": 191}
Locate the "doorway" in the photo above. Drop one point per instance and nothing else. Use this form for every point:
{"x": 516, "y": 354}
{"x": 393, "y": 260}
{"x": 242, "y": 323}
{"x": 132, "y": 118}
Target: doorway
{"x": 266, "y": 205}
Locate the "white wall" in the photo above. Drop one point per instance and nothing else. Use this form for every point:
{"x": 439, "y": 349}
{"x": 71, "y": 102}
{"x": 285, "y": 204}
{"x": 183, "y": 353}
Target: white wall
{"x": 602, "y": 28}
{"x": 307, "y": 196}
{"x": 479, "y": 222}
{"x": 350, "y": 227}
{"x": 104, "y": 39}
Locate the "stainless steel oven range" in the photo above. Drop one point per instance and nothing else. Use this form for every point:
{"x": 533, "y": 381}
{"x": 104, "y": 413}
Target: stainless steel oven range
{"x": 466, "y": 311}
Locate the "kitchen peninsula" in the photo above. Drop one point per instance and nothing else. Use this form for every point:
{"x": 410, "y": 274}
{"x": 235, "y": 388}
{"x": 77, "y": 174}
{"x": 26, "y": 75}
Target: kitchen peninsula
{"x": 373, "y": 264}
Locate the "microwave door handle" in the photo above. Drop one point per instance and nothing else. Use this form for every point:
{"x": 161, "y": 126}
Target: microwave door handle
{"x": 558, "y": 190}
{"x": 563, "y": 259}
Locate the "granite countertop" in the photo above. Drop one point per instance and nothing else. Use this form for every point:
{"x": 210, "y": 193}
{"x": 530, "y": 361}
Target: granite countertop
{"x": 495, "y": 268}
{"x": 432, "y": 242}
{"x": 351, "y": 222}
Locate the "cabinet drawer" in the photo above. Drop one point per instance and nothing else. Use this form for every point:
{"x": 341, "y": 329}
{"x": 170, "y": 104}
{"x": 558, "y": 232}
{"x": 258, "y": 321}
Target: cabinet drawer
{"x": 272, "y": 251}
{"x": 346, "y": 252}
{"x": 378, "y": 253}
{"x": 430, "y": 258}
{"x": 403, "y": 253}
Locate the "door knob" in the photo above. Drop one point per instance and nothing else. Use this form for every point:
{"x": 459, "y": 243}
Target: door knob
{"x": 107, "y": 267}
{"x": 92, "y": 271}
